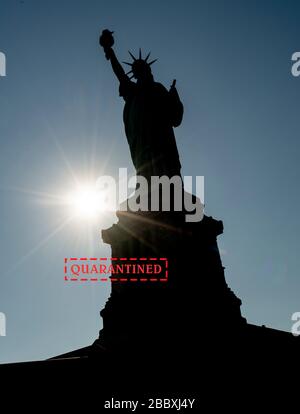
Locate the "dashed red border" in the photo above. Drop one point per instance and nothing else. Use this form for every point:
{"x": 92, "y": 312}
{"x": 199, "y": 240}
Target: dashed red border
{"x": 115, "y": 279}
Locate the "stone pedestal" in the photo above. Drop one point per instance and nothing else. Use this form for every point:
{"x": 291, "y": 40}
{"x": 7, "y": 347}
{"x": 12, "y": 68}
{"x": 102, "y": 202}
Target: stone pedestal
{"x": 194, "y": 304}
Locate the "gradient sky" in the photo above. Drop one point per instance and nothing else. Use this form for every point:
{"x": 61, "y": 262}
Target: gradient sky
{"x": 60, "y": 113}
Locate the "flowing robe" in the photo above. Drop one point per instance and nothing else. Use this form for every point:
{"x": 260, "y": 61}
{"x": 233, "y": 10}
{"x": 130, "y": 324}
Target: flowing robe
{"x": 150, "y": 113}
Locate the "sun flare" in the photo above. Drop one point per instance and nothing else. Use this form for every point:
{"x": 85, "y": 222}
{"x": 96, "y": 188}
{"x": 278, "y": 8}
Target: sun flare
{"x": 86, "y": 202}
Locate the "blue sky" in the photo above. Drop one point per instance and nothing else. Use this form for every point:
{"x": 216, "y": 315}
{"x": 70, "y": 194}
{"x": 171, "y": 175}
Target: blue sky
{"x": 60, "y": 112}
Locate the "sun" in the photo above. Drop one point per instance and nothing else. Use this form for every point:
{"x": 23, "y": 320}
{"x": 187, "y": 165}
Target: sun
{"x": 86, "y": 202}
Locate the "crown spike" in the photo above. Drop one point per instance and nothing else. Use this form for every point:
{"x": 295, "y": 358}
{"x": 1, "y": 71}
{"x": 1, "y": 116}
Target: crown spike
{"x": 126, "y": 63}
{"x": 153, "y": 61}
{"x": 147, "y": 57}
{"x": 140, "y": 53}
{"x": 132, "y": 55}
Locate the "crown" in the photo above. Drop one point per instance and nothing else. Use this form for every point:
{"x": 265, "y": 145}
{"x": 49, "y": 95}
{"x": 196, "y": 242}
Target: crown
{"x": 138, "y": 62}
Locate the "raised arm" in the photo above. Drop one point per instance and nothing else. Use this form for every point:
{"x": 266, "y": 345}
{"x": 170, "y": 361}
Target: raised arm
{"x": 116, "y": 66}
{"x": 106, "y": 41}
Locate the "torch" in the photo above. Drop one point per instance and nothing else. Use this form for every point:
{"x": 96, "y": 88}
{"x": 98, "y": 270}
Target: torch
{"x": 106, "y": 40}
